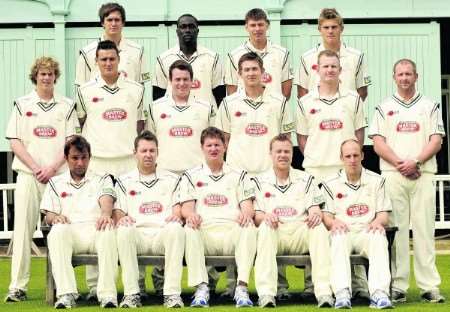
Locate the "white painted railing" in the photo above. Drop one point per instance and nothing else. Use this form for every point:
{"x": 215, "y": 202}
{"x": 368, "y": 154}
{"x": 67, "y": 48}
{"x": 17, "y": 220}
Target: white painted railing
{"x": 5, "y": 231}
{"x": 442, "y": 186}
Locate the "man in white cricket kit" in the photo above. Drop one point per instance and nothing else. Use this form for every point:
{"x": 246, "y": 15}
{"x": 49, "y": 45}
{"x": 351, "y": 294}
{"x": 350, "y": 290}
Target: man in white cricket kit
{"x": 132, "y": 62}
{"x": 207, "y": 83}
{"x": 110, "y": 109}
{"x": 327, "y": 116}
{"x": 357, "y": 210}
{"x": 353, "y": 76}
{"x": 277, "y": 76}
{"x": 407, "y": 132}
{"x": 40, "y": 123}
{"x": 251, "y": 118}
{"x": 217, "y": 203}
{"x": 148, "y": 217}
{"x": 78, "y": 204}
{"x": 290, "y": 222}
{"x": 177, "y": 120}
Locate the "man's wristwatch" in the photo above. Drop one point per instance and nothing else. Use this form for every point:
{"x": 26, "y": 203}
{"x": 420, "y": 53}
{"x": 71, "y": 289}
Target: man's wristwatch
{"x": 418, "y": 163}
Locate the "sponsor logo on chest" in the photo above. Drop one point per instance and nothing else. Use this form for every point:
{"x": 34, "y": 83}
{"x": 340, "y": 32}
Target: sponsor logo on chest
{"x": 408, "y": 126}
{"x": 115, "y": 114}
{"x": 357, "y": 210}
{"x": 150, "y": 208}
{"x": 331, "y": 124}
{"x": 256, "y": 129}
{"x": 196, "y": 84}
{"x": 45, "y": 132}
{"x": 285, "y": 211}
{"x": 266, "y": 78}
{"x": 181, "y": 131}
{"x": 215, "y": 200}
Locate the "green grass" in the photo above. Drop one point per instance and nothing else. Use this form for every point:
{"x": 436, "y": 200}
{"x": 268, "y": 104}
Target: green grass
{"x": 36, "y": 292}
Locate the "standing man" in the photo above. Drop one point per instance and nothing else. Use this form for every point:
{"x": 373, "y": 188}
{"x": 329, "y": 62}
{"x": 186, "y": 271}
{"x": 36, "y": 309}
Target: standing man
{"x": 132, "y": 63}
{"x": 217, "y": 203}
{"x": 39, "y": 125}
{"x": 289, "y": 218}
{"x": 178, "y": 119}
{"x": 356, "y": 213}
{"x": 207, "y": 83}
{"x": 277, "y": 75}
{"x": 326, "y": 117}
{"x": 251, "y": 118}
{"x": 354, "y": 74}
{"x": 407, "y": 132}
{"x": 110, "y": 109}
{"x": 78, "y": 204}
{"x": 148, "y": 216}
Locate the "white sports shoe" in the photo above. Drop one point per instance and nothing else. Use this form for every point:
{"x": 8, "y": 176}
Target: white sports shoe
{"x": 201, "y": 297}
{"x": 173, "y": 301}
{"x": 66, "y": 301}
{"x": 131, "y": 301}
{"x": 242, "y": 298}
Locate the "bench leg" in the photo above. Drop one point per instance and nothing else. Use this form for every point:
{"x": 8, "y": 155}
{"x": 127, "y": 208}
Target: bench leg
{"x": 50, "y": 292}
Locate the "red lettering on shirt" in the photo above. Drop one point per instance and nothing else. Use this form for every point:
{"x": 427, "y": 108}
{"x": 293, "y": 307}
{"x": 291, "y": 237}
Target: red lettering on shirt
{"x": 150, "y": 208}
{"x": 115, "y": 114}
{"x": 181, "y": 131}
{"x": 357, "y": 210}
{"x": 331, "y": 124}
{"x": 285, "y": 211}
{"x": 408, "y": 126}
{"x": 215, "y": 200}
{"x": 256, "y": 129}
{"x": 45, "y": 132}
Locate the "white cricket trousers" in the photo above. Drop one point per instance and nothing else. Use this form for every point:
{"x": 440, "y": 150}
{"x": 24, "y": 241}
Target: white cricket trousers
{"x": 221, "y": 239}
{"x": 373, "y": 246}
{"x": 413, "y": 201}
{"x": 27, "y": 198}
{"x": 115, "y": 166}
{"x": 167, "y": 241}
{"x": 64, "y": 240}
{"x": 293, "y": 238}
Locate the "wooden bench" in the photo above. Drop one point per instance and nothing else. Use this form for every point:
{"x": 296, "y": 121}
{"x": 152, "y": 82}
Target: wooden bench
{"x": 297, "y": 260}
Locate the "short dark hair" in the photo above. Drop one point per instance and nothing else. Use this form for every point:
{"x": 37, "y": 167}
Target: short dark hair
{"x": 187, "y": 15}
{"x": 181, "y": 65}
{"x": 256, "y": 14}
{"x": 106, "y": 45}
{"x": 282, "y": 137}
{"x": 79, "y": 143}
{"x": 146, "y": 136}
{"x": 212, "y": 132}
{"x": 251, "y": 56}
{"x": 108, "y": 8}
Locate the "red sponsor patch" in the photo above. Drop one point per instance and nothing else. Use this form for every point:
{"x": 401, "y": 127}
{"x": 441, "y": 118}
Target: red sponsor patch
{"x": 163, "y": 116}
{"x": 196, "y": 84}
{"x": 285, "y": 211}
{"x": 390, "y": 113}
{"x": 314, "y": 67}
{"x": 64, "y": 194}
{"x": 256, "y": 129}
{"x": 266, "y": 77}
{"x": 408, "y": 126}
{"x": 181, "y": 131}
{"x": 313, "y": 111}
{"x": 95, "y": 99}
{"x": 132, "y": 193}
{"x": 29, "y": 114}
{"x": 339, "y": 195}
{"x": 215, "y": 200}
{"x": 199, "y": 184}
{"x": 357, "y": 210}
{"x": 150, "y": 208}
{"x": 45, "y": 132}
{"x": 267, "y": 195}
{"x": 331, "y": 124}
{"x": 115, "y": 114}
{"x": 238, "y": 114}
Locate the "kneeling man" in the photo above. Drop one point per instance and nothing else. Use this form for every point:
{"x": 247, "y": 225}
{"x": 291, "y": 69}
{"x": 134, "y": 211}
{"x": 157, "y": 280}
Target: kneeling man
{"x": 78, "y": 204}
{"x": 356, "y": 213}
{"x": 148, "y": 217}
{"x": 290, "y": 223}
{"x": 217, "y": 203}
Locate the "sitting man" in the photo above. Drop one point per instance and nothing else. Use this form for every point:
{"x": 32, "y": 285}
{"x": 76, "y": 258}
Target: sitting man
{"x": 217, "y": 203}
{"x": 356, "y": 213}
{"x": 289, "y": 218}
{"x": 78, "y": 204}
{"x": 149, "y": 222}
